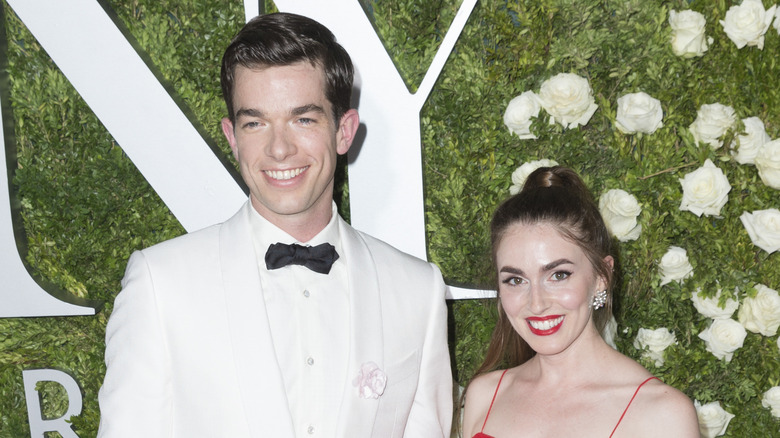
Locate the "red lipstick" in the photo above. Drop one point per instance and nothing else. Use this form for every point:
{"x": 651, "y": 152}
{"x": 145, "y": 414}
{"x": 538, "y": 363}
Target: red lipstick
{"x": 544, "y": 325}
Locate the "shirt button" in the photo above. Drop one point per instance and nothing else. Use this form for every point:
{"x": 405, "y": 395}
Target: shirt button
{"x": 306, "y": 293}
{"x": 310, "y": 430}
{"x": 310, "y": 360}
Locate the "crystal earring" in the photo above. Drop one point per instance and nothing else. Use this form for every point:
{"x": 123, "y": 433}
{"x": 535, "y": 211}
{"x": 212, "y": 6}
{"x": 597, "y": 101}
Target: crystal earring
{"x": 599, "y": 299}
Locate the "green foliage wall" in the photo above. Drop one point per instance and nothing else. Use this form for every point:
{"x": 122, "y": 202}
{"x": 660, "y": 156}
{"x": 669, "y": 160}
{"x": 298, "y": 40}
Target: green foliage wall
{"x": 85, "y": 207}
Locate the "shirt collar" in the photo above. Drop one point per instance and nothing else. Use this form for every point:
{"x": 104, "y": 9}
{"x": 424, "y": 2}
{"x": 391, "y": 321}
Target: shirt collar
{"x": 264, "y": 233}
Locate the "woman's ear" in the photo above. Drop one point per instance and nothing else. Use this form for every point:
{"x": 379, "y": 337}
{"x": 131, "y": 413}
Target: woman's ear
{"x": 610, "y": 262}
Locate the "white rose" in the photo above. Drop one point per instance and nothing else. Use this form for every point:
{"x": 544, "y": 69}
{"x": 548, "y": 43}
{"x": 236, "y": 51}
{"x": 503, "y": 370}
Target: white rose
{"x": 761, "y": 314}
{"x": 771, "y": 400}
{"x": 713, "y": 419}
{"x": 763, "y": 227}
{"x": 521, "y": 173}
{"x": 609, "y": 333}
{"x": 519, "y": 111}
{"x": 620, "y": 210}
{"x": 653, "y": 343}
{"x": 710, "y": 307}
{"x": 675, "y": 265}
{"x": 688, "y": 33}
{"x": 745, "y": 147}
{"x": 639, "y": 112}
{"x": 777, "y": 20}
{"x": 712, "y": 121}
{"x": 705, "y": 190}
{"x": 768, "y": 163}
{"x": 568, "y": 99}
{"x": 747, "y": 23}
{"x": 723, "y": 337}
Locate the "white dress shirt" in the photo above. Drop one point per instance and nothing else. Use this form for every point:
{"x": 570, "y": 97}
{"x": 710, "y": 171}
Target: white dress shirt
{"x": 308, "y": 314}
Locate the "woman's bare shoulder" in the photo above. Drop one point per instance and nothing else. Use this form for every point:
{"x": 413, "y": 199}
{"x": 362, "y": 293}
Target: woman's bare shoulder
{"x": 662, "y": 410}
{"x": 485, "y": 382}
{"x": 479, "y": 395}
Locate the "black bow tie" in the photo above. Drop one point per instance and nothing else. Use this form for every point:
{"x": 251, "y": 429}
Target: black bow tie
{"x": 317, "y": 258}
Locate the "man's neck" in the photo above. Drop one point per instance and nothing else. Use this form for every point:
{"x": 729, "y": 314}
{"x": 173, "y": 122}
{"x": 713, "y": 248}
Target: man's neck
{"x": 303, "y": 226}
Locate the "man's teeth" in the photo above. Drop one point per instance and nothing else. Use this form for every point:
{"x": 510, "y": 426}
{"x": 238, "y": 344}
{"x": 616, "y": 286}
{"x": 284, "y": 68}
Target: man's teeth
{"x": 546, "y": 324}
{"x": 285, "y": 174}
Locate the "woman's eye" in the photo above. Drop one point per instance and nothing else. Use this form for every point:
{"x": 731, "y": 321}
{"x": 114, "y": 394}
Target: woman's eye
{"x": 561, "y": 275}
{"x": 513, "y": 281}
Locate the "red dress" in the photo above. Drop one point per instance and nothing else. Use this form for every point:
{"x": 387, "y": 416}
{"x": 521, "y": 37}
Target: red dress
{"x": 482, "y": 434}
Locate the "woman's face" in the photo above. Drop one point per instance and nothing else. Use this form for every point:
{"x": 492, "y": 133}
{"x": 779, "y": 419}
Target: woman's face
{"x": 546, "y": 284}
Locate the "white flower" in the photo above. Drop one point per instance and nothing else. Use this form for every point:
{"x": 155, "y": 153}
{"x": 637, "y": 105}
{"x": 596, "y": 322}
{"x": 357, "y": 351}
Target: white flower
{"x": 747, "y": 145}
{"x": 609, "y": 333}
{"x": 768, "y": 163}
{"x": 712, "y": 121}
{"x": 771, "y": 400}
{"x": 370, "y": 381}
{"x": 519, "y": 111}
{"x": 620, "y": 210}
{"x": 638, "y": 112}
{"x": 761, "y": 314}
{"x": 763, "y": 227}
{"x": 653, "y": 343}
{"x": 713, "y": 419}
{"x": 705, "y": 190}
{"x": 688, "y": 38}
{"x": 747, "y": 23}
{"x": 568, "y": 99}
{"x": 521, "y": 173}
{"x": 777, "y": 20}
{"x": 675, "y": 265}
{"x": 723, "y": 337}
{"x": 710, "y": 307}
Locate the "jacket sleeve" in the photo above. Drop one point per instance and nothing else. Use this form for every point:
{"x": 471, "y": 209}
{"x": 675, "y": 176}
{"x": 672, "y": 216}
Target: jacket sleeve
{"x": 431, "y": 413}
{"x": 135, "y": 399}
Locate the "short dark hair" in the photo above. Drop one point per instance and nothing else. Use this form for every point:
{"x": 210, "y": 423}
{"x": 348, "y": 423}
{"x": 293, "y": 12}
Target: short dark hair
{"x": 282, "y": 39}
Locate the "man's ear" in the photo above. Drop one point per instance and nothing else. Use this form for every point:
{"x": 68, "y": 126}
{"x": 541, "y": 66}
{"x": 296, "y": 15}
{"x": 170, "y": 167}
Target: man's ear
{"x": 230, "y": 135}
{"x": 345, "y": 135}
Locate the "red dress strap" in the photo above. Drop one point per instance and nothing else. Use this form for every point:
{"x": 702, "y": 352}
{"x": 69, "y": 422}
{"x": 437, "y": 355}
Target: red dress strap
{"x": 630, "y": 401}
{"x": 481, "y": 433}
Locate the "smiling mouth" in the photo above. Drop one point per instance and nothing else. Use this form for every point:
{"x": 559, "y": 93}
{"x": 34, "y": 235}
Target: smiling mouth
{"x": 545, "y": 326}
{"x": 283, "y": 175}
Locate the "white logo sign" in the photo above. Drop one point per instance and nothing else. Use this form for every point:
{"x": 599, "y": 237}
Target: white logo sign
{"x": 386, "y": 191}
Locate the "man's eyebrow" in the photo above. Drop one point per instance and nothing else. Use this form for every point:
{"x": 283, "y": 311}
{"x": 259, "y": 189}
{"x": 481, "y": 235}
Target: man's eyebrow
{"x": 307, "y": 109}
{"x": 249, "y": 112}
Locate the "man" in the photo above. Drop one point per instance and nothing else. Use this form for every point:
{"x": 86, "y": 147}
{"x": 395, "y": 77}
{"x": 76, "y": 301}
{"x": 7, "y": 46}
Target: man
{"x": 214, "y": 336}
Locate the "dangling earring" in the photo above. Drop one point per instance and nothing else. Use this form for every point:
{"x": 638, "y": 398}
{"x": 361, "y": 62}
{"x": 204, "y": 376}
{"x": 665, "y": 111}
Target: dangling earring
{"x": 599, "y": 299}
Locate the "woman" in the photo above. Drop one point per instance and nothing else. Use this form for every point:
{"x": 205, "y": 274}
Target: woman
{"x": 551, "y": 251}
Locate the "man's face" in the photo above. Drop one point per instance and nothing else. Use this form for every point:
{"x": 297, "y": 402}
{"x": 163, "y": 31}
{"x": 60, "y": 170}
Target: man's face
{"x": 286, "y": 141}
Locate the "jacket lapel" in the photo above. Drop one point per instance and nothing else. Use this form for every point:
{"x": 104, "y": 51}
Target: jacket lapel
{"x": 356, "y": 417}
{"x": 260, "y": 380}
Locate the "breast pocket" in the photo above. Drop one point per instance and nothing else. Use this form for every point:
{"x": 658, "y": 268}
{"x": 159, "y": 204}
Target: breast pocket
{"x": 396, "y": 402}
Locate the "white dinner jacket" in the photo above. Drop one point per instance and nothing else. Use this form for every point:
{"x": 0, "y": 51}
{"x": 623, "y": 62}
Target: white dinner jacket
{"x": 189, "y": 351}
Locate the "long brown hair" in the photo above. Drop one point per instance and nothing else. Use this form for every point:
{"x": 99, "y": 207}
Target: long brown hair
{"x": 556, "y": 196}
